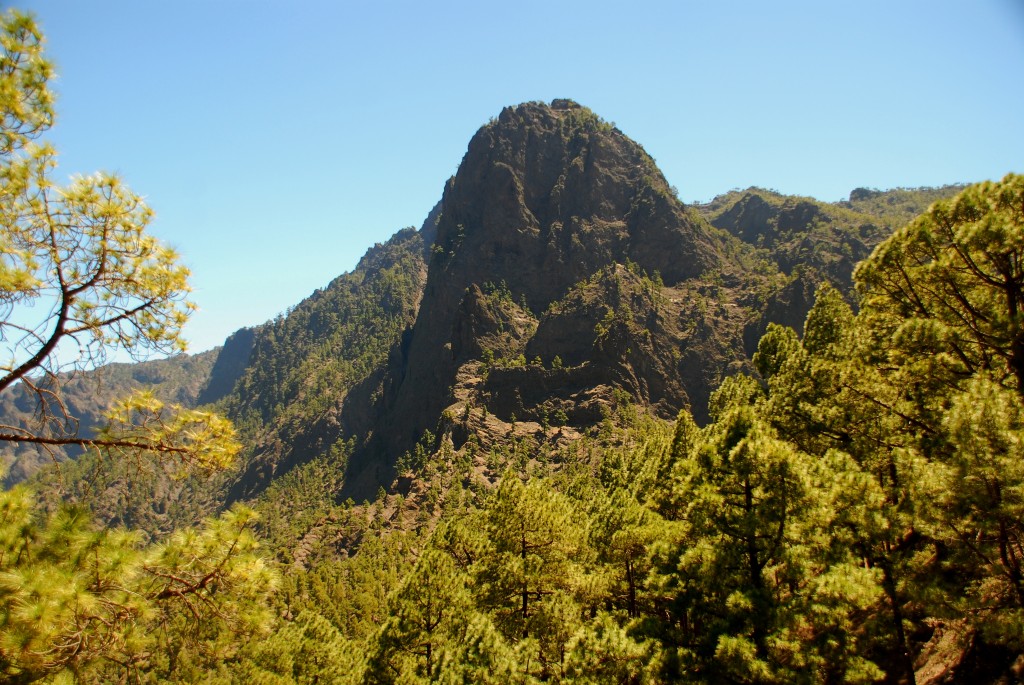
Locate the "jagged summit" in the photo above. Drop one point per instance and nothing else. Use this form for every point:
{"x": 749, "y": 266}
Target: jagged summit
{"x": 558, "y": 276}
{"x": 555, "y": 188}
{"x": 549, "y": 202}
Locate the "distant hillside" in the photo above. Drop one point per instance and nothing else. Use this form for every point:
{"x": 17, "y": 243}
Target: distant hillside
{"x": 181, "y": 380}
{"x": 828, "y": 237}
{"x": 812, "y": 242}
{"x": 898, "y": 206}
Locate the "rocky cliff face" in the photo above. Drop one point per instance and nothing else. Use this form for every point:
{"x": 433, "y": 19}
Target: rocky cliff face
{"x": 558, "y": 237}
{"x": 231, "y": 363}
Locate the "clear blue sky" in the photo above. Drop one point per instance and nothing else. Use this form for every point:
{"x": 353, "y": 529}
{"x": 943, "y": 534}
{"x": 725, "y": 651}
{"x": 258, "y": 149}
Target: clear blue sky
{"x": 277, "y": 141}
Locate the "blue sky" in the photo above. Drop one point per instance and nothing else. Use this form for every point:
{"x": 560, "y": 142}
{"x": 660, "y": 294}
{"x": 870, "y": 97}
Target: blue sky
{"x": 277, "y": 141}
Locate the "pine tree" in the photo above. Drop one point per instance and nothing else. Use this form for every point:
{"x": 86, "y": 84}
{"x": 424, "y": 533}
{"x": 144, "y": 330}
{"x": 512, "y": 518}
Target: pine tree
{"x": 526, "y": 575}
{"x": 421, "y": 613}
{"x": 758, "y": 589}
{"x": 947, "y": 290}
{"x": 940, "y": 327}
{"x": 99, "y": 605}
{"x": 308, "y": 649}
{"x": 977, "y": 512}
{"x": 602, "y": 651}
{"x": 834, "y": 391}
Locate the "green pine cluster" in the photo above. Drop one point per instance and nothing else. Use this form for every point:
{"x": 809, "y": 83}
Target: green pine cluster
{"x": 82, "y": 604}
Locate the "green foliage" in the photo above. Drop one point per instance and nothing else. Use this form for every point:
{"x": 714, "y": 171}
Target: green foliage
{"x": 82, "y": 251}
{"x": 828, "y": 322}
{"x": 603, "y": 652}
{"x": 531, "y": 538}
{"x": 426, "y": 619}
{"x": 78, "y": 602}
{"x": 764, "y": 593}
{"x": 919, "y": 391}
{"x": 96, "y": 603}
{"x": 79, "y": 267}
{"x": 25, "y": 98}
{"x": 175, "y": 380}
{"x": 27, "y": 104}
{"x": 141, "y": 423}
{"x": 778, "y": 345}
{"x": 947, "y": 288}
{"x": 978, "y": 511}
{"x": 308, "y": 649}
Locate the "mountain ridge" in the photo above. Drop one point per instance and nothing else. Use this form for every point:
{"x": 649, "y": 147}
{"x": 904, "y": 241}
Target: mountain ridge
{"x": 517, "y": 213}
{"x": 558, "y": 239}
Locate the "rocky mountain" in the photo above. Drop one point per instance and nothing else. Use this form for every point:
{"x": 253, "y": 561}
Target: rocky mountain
{"x": 558, "y": 238}
{"x": 558, "y": 275}
{"x": 566, "y": 271}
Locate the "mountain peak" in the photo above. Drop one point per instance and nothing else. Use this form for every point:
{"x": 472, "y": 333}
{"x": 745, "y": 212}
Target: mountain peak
{"x": 577, "y": 193}
{"x": 546, "y": 199}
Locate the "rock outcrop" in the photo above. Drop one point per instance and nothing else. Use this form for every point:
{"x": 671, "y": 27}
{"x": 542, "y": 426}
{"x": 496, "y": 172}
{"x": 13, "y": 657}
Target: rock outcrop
{"x": 558, "y": 237}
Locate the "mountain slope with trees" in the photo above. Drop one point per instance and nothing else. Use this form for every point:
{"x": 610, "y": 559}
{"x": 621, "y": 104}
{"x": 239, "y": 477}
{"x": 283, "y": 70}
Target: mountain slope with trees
{"x": 627, "y": 290}
{"x": 848, "y": 514}
{"x": 812, "y": 242}
{"x": 585, "y": 448}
